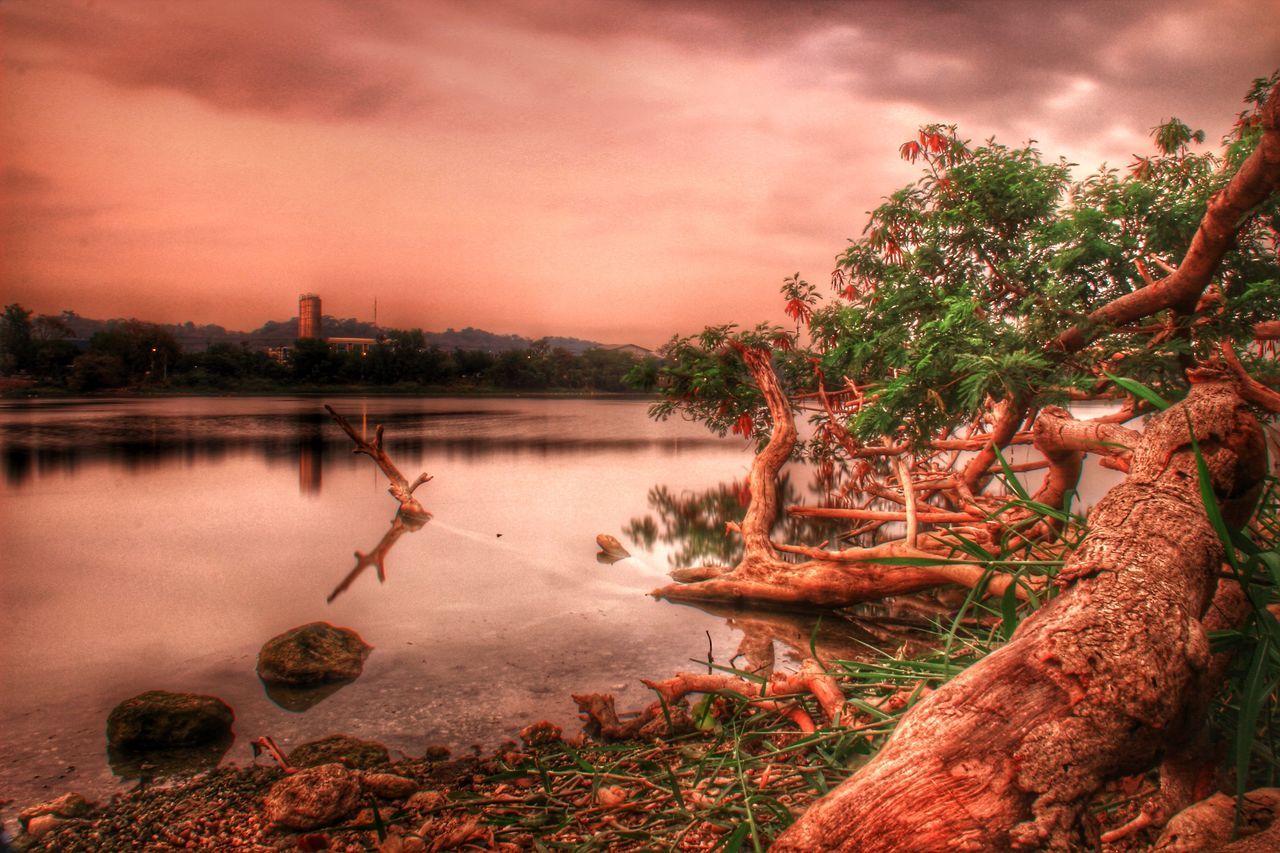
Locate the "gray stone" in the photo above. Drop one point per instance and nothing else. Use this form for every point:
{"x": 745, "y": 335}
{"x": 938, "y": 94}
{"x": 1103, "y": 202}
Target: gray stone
{"x": 340, "y": 749}
{"x": 159, "y": 719}
{"x": 312, "y": 798}
{"x": 315, "y": 653}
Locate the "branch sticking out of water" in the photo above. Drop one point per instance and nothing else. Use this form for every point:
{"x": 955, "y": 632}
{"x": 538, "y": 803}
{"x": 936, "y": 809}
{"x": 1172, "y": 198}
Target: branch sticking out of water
{"x": 400, "y": 488}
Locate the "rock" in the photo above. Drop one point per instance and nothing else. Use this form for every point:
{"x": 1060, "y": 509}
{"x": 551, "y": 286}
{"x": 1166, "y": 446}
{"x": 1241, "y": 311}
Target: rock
{"x": 541, "y": 733}
{"x": 388, "y": 785}
{"x": 426, "y": 800}
{"x": 158, "y": 719}
{"x": 41, "y": 826}
{"x": 437, "y": 752}
{"x": 68, "y": 805}
{"x": 611, "y": 550}
{"x": 312, "y": 798}
{"x": 312, "y": 654}
{"x": 340, "y": 749}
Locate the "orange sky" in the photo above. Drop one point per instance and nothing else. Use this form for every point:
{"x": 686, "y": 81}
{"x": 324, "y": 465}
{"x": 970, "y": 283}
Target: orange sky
{"x": 617, "y": 170}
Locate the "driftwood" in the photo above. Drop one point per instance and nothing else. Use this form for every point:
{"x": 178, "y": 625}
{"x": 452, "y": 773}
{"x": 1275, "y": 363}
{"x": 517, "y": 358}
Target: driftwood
{"x": 400, "y": 487}
{"x": 409, "y": 518}
{"x": 1091, "y": 687}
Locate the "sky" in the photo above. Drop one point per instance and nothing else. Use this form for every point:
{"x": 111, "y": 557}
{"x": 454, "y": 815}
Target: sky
{"x": 616, "y": 170}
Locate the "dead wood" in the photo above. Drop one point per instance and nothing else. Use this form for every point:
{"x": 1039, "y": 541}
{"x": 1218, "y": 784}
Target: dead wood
{"x": 667, "y": 715}
{"x": 837, "y": 580}
{"x": 1209, "y": 825}
{"x": 400, "y": 488}
{"x": 1091, "y": 687}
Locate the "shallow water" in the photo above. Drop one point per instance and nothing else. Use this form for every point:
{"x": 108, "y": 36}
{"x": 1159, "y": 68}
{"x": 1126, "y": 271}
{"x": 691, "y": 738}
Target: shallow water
{"x": 158, "y": 543}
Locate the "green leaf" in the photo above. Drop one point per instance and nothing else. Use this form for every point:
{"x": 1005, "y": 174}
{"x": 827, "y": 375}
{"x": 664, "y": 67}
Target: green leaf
{"x": 1210, "y": 500}
{"x": 1142, "y": 392}
{"x": 735, "y": 840}
{"x": 1011, "y": 479}
{"x": 1009, "y": 609}
{"x": 1255, "y": 691}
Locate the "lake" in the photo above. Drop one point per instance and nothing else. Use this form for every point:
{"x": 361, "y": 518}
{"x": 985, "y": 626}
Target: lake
{"x": 158, "y": 543}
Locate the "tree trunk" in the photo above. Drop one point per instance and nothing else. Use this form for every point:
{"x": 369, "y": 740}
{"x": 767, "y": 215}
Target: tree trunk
{"x": 1093, "y": 686}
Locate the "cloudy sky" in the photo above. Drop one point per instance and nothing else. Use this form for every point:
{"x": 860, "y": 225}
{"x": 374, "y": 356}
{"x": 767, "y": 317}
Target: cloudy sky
{"x": 611, "y": 169}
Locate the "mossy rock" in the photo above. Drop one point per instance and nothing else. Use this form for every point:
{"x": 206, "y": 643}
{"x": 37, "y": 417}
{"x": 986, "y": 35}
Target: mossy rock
{"x": 159, "y": 719}
{"x": 315, "y": 653}
{"x": 340, "y": 749}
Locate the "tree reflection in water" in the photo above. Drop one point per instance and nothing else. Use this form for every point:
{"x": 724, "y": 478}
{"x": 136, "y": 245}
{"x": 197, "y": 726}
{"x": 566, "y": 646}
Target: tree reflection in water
{"x": 697, "y": 522}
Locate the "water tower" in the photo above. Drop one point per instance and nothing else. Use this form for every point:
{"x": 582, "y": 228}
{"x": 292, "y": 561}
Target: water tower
{"x": 309, "y": 316}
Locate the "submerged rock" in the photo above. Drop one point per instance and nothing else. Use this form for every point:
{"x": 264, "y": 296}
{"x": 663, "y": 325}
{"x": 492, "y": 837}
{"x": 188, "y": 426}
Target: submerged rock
{"x": 340, "y": 749}
{"x": 315, "y": 653}
{"x": 312, "y": 798}
{"x": 150, "y": 764}
{"x": 302, "y": 699}
{"x": 159, "y": 719}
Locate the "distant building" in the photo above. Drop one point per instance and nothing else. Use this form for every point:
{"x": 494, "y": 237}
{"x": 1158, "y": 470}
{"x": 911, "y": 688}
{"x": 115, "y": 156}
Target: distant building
{"x": 309, "y": 323}
{"x": 360, "y": 345}
{"x": 631, "y": 350}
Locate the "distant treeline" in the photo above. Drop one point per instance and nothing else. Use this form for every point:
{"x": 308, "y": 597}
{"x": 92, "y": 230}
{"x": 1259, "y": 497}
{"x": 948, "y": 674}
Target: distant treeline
{"x": 139, "y": 355}
{"x": 275, "y": 333}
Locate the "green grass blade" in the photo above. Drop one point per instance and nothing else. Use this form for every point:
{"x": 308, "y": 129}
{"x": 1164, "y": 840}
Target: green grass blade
{"x": 1009, "y": 609}
{"x": 1142, "y": 392}
{"x": 1210, "y": 500}
{"x": 1011, "y": 479}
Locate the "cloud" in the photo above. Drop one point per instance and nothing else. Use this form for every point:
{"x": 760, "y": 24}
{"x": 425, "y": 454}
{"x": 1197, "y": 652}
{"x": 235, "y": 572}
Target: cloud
{"x": 299, "y": 61}
{"x": 17, "y": 181}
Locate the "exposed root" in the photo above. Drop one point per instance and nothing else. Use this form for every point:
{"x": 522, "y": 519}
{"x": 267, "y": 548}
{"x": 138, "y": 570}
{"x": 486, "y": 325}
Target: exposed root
{"x": 1209, "y": 825}
{"x": 668, "y": 715}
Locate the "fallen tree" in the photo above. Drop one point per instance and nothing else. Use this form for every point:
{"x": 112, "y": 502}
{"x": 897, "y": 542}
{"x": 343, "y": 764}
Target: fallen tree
{"x": 976, "y": 306}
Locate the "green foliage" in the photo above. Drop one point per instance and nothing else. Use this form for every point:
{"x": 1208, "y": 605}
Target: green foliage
{"x": 953, "y": 296}
{"x": 703, "y": 377}
{"x": 17, "y": 350}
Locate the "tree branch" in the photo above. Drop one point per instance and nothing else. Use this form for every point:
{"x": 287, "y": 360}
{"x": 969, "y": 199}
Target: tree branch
{"x": 1256, "y": 179}
{"x": 399, "y": 487}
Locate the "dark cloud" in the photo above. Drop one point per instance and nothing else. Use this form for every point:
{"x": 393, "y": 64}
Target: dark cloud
{"x": 984, "y": 58}
{"x": 981, "y": 58}
{"x": 252, "y": 57}
{"x": 17, "y": 181}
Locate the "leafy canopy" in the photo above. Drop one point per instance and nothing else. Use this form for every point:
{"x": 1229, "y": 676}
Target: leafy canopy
{"x": 961, "y": 281}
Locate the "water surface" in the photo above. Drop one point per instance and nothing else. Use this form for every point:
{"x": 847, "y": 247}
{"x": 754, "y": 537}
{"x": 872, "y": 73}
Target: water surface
{"x": 158, "y": 543}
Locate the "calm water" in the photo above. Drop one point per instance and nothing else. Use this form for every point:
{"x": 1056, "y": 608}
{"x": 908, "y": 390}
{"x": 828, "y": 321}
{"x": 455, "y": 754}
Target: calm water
{"x": 158, "y": 543}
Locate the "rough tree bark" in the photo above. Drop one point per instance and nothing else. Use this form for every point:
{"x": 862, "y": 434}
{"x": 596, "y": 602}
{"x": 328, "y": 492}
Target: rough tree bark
{"x": 1092, "y": 686}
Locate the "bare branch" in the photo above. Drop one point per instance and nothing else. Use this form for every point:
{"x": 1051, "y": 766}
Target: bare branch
{"x": 399, "y": 488}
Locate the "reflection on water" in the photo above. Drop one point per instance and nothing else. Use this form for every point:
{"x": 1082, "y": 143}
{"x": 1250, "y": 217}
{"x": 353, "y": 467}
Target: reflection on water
{"x": 400, "y": 525}
{"x": 158, "y": 543}
{"x": 300, "y": 699}
{"x": 52, "y": 438}
{"x": 694, "y": 523}
{"x": 163, "y": 763}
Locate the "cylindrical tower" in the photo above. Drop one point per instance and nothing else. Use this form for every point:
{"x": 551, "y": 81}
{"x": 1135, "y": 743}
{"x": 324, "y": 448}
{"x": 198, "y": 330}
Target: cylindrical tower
{"x": 309, "y": 316}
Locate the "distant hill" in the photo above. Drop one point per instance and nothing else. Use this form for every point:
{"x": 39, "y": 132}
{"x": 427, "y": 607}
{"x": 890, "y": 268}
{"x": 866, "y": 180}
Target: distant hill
{"x": 274, "y": 333}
